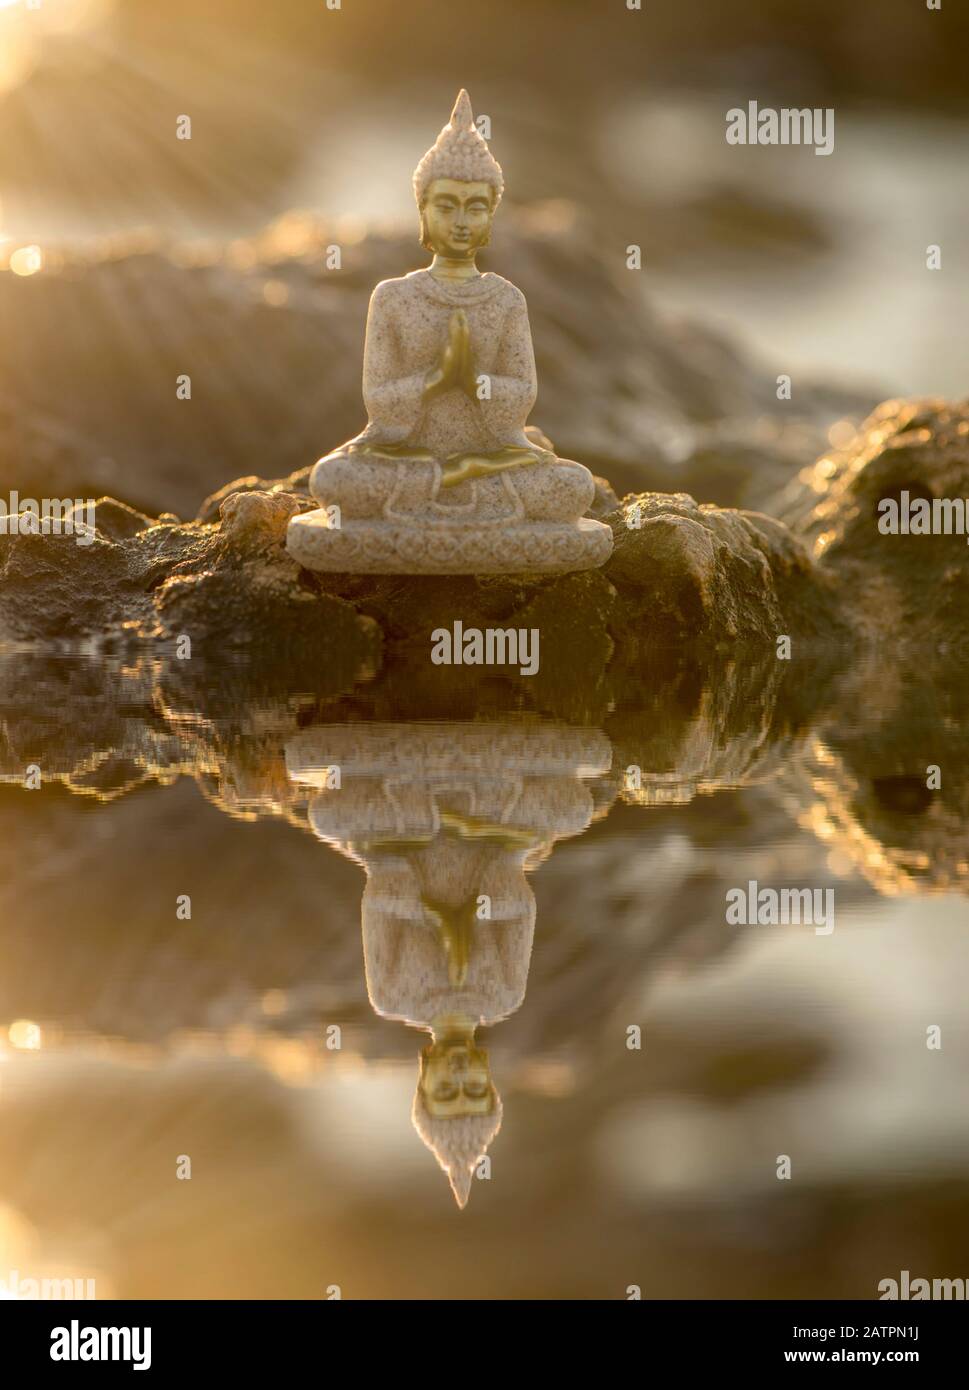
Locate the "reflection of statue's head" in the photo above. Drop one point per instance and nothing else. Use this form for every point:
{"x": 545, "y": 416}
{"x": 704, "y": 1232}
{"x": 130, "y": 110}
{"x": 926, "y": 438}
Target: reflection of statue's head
{"x": 458, "y": 185}
{"x": 457, "y": 1111}
{"x": 455, "y": 1078}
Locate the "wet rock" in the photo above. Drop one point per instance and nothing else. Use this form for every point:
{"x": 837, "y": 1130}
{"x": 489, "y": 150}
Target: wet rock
{"x": 227, "y": 588}
{"x": 689, "y": 572}
{"x": 297, "y": 485}
{"x": 907, "y": 589}
{"x": 243, "y": 591}
{"x": 685, "y": 573}
{"x": 112, "y": 519}
{"x": 257, "y": 521}
{"x": 604, "y": 501}
{"x": 683, "y": 570}
{"x": 573, "y": 616}
{"x": 53, "y": 589}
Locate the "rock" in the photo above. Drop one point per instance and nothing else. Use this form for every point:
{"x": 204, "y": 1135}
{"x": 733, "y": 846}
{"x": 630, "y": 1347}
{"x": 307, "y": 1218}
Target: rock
{"x": 114, "y": 520}
{"x": 257, "y": 521}
{"x": 710, "y": 573}
{"x": 52, "y": 589}
{"x": 605, "y": 499}
{"x": 296, "y": 485}
{"x": 687, "y": 573}
{"x": 573, "y": 616}
{"x": 243, "y": 591}
{"x": 232, "y": 587}
{"x": 909, "y": 589}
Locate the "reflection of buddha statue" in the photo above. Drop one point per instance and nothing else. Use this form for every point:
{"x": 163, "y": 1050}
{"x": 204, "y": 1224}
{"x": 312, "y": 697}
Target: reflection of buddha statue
{"x": 446, "y": 479}
{"x": 446, "y": 819}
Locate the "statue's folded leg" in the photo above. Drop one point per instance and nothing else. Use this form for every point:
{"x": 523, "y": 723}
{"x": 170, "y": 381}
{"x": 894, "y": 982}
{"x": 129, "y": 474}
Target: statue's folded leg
{"x": 357, "y": 485}
{"x": 561, "y": 491}
{"x": 392, "y": 521}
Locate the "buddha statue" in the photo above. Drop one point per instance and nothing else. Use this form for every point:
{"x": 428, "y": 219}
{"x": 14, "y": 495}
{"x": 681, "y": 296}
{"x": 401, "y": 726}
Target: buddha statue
{"x": 447, "y": 819}
{"x": 447, "y": 478}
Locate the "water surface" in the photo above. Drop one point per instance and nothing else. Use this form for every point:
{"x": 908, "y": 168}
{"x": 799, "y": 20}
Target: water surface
{"x": 274, "y": 1037}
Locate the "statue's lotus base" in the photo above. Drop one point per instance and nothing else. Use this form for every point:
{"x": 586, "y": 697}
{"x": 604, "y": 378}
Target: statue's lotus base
{"x": 394, "y": 547}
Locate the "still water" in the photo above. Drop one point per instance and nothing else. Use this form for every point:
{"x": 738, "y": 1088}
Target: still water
{"x": 277, "y": 965}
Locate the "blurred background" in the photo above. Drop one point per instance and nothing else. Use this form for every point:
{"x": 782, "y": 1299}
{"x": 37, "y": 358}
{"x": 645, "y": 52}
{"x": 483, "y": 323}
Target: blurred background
{"x": 820, "y": 262}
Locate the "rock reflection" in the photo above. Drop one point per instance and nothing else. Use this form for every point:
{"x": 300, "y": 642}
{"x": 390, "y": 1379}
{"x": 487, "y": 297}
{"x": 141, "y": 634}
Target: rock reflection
{"x": 446, "y": 819}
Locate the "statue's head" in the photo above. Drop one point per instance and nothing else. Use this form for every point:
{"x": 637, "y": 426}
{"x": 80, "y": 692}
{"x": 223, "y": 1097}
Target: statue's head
{"x": 458, "y": 185}
{"x": 456, "y": 217}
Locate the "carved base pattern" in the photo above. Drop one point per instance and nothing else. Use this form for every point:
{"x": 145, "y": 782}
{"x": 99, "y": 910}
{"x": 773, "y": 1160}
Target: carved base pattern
{"x": 389, "y": 547}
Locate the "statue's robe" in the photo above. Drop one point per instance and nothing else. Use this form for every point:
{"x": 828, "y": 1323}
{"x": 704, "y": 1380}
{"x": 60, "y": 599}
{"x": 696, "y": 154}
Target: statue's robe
{"x": 407, "y": 328}
{"x": 405, "y": 955}
{"x": 439, "y": 815}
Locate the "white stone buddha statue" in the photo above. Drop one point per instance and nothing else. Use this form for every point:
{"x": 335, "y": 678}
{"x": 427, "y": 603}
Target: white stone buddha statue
{"x": 446, "y": 478}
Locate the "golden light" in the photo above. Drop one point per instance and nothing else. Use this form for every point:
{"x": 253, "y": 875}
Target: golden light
{"x": 27, "y": 260}
{"x": 18, "y": 1243}
{"x": 273, "y": 1003}
{"x": 73, "y": 16}
{"x": 275, "y": 293}
{"x": 17, "y": 53}
{"x": 25, "y": 1035}
{"x": 841, "y": 433}
{"x": 24, "y": 29}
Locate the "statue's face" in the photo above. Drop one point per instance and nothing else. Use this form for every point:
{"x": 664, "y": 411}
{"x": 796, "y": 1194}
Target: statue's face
{"x": 456, "y": 1080}
{"x": 457, "y": 217}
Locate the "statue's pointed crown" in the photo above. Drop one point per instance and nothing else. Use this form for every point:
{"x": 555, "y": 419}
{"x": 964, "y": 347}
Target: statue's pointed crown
{"x": 459, "y": 152}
